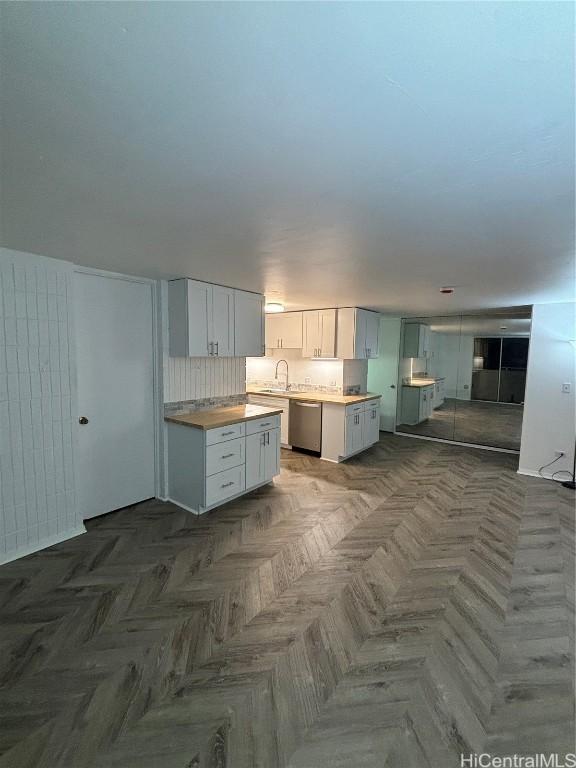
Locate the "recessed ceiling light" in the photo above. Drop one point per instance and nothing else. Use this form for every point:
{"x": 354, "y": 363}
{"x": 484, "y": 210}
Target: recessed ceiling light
{"x": 274, "y": 306}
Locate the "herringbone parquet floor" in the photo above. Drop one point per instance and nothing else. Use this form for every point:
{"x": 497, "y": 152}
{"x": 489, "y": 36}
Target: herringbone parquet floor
{"x": 396, "y": 610}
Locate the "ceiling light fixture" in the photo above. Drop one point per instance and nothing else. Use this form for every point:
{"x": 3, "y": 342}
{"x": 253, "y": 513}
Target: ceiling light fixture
{"x": 274, "y": 306}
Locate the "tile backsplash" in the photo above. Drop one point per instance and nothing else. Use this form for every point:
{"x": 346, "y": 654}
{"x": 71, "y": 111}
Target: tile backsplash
{"x": 336, "y": 376}
{"x": 203, "y": 404}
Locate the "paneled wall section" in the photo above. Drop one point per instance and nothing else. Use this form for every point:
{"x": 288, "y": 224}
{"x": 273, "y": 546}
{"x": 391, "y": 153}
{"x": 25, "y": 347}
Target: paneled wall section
{"x": 37, "y": 406}
{"x": 195, "y": 378}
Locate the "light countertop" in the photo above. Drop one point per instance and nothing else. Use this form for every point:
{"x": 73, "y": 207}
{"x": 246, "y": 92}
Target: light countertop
{"x": 222, "y": 417}
{"x": 317, "y": 397}
{"x": 422, "y": 382}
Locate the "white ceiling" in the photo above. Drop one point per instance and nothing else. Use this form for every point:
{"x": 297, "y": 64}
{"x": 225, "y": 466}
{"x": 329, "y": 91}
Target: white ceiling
{"x": 325, "y": 153}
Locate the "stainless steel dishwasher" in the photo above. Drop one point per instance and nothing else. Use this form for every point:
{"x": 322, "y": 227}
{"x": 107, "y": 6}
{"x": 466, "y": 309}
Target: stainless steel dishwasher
{"x": 305, "y": 425}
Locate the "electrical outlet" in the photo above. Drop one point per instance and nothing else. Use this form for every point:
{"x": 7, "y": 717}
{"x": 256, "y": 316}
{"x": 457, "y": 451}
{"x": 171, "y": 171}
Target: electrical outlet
{"x": 307, "y": 380}
{"x": 566, "y": 388}
{"x": 333, "y": 383}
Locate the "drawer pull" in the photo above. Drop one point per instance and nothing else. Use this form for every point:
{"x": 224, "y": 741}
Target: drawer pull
{"x": 264, "y": 423}
{"x": 231, "y": 432}
{"x": 227, "y": 485}
{"x": 227, "y": 456}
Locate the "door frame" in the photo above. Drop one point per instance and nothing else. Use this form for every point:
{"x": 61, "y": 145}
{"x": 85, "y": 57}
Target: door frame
{"x": 157, "y": 378}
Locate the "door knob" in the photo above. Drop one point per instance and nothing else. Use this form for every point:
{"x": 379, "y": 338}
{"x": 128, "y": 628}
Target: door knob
{"x": 83, "y": 420}
{"x": 392, "y": 386}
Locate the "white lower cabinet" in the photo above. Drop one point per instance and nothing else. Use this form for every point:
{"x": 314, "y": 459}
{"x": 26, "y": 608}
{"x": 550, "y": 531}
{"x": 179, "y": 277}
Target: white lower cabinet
{"x": 417, "y": 404}
{"x": 271, "y": 401}
{"x": 354, "y": 433}
{"x": 262, "y": 457}
{"x": 439, "y": 393}
{"x": 372, "y": 424}
{"x": 209, "y": 467}
{"x": 224, "y": 485}
{"x": 349, "y": 430}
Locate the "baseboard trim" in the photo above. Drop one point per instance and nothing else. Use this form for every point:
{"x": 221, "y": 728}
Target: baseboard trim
{"x": 182, "y": 505}
{"x": 457, "y": 442}
{"x": 533, "y": 473}
{"x": 9, "y": 557}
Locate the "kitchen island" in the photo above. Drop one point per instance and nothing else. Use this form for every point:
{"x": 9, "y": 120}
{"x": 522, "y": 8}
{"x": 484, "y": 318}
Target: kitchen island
{"x": 216, "y": 455}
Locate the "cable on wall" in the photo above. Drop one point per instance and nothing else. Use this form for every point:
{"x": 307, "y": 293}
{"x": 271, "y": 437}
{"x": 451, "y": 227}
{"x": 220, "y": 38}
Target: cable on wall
{"x": 544, "y": 466}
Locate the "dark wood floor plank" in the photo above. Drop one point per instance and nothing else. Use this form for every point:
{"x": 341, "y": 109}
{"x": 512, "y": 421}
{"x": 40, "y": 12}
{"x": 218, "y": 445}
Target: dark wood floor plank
{"x": 397, "y": 609}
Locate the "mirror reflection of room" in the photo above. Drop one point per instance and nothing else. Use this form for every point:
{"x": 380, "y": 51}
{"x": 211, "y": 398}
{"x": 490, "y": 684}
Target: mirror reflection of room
{"x": 463, "y": 377}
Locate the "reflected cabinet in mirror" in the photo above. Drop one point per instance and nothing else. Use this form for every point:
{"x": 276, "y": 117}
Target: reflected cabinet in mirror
{"x": 463, "y": 377}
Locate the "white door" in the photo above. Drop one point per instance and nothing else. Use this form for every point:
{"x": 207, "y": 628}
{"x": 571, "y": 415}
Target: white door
{"x": 383, "y": 372}
{"x": 248, "y": 324}
{"x": 114, "y": 339}
{"x": 222, "y": 321}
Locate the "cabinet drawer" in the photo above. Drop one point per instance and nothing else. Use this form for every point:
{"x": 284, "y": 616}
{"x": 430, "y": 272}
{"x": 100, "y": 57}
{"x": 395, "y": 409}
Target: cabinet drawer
{"x": 371, "y": 404}
{"x": 224, "y": 485}
{"x": 355, "y": 408}
{"x": 262, "y": 425}
{"x": 225, "y": 433}
{"x": 226, "y": 455}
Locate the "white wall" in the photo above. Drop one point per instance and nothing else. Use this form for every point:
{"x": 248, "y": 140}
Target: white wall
{"x": 37, "y": 404}
{"x": 549, "y": 414}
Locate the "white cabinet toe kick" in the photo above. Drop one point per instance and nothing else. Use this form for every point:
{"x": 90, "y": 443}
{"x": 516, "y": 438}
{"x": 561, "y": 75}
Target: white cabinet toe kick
{"x": 208, "y": 467}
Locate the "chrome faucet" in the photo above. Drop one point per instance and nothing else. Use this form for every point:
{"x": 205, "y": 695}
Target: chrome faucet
{"x": 276, "y": 372}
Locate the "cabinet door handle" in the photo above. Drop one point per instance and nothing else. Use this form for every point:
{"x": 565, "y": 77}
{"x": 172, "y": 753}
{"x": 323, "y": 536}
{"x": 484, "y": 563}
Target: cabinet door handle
{"x": 227, "y": 485}
{"x": 217, "y": 349}
{"x": 227, "y": 456}
{"x": 210, "y": 347}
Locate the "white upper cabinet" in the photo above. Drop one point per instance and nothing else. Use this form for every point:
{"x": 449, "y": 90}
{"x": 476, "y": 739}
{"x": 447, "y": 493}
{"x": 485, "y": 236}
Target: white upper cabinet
{"x": 417, "y": 337}
{"x": 189, "y": 310}
{"x": 249, "y": 324}
{"x": 357, "y": 334}
{"x": 203, "y": 322}
{"x": 319, "y": 331}
{"x": 221, "y": 321}
{"x": 284, "y": 330}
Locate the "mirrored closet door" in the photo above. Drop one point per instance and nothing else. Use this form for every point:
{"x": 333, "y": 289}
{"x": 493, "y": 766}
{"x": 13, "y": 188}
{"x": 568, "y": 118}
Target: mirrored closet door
{"x": 463, "y": 377}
